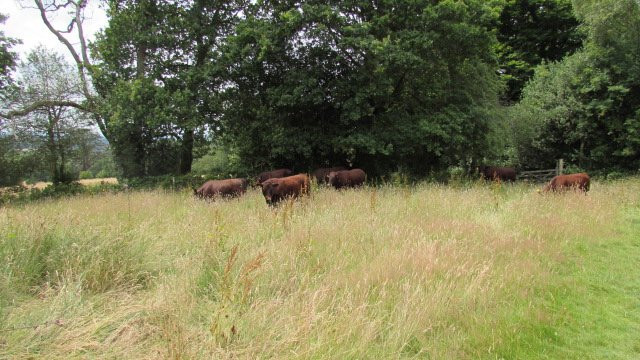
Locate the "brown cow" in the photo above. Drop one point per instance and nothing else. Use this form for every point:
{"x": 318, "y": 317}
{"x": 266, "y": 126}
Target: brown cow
{"x": 346, "y": 178}
{"x": 278, "y": 189}
{"x": 227, "y": 187}
{"x": 280, "y": 173}
{"x": 321, "y": 174}
{"x": 496, "y": 173}
{"x": 579, "y": 181}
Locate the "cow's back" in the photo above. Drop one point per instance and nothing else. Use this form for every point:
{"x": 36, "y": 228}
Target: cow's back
{"x": 348, "y": 178}
{"x": 277, "y": 189}
{"x": 321, "y": 174}
{"x": 580, "y": 181}
{"x": 278, "y": 173}
{"x": 498, "y": 173}
{"x": 226, "y": 187}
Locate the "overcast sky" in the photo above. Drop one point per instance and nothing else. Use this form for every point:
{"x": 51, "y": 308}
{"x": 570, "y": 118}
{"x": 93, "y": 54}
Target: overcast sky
{"x": 25, "y": 24}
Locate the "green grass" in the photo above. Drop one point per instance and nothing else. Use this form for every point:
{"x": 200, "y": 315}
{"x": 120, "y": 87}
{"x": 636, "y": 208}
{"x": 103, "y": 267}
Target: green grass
{"x": 603, "y": 301}
{"x": 428, "y": 272}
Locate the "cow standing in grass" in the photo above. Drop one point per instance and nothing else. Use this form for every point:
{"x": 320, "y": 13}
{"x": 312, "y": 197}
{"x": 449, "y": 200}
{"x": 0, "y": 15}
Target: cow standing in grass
{"x": 279, "y": 173}
{"x": 495, "y": 173}
{"x": 579, "y": 181}
{"x": 321, "y": 174}
{"x": 222, "y": 188}
{"x": 346, "y": 178}
{"x": 278, "y": 189}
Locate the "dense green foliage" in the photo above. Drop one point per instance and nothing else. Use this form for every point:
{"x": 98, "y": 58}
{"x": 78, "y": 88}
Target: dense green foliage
{"x": 586, "y": 108}
{"x": 379, "y": 85}
{"x": 17, "y": 163}
{"x": 411, "y": 87}
{"x": 7, "y": 57}
{"x": 530, "y": 32}
{"x": 157, "y": 75}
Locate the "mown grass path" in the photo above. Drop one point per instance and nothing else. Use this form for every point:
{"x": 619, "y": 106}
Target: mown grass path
{"x": 592, "y": 310}
{"x": 602, "y": 302}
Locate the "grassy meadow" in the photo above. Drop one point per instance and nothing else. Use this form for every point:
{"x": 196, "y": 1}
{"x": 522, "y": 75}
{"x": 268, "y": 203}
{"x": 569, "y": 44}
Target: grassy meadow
{"x": 473, "y": 271}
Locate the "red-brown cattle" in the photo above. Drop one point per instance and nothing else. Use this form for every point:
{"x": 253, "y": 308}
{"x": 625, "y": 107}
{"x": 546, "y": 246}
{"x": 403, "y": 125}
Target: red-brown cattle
{"x": 223, "y": 188}
{"x": 346, "y": 178}
{"x": 496, "y": 173}
{"x": 278, "y": 189}
{"x": 279, "y": 173}
{"x": 579, "y": 181}
{"x": 321, "y": 174}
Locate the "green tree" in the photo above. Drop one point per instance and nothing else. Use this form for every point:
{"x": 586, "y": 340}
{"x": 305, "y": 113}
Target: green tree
{"x": 18, "y": 161}
{"x": 85, "y": 103}
{"x": 380, "y": 85}
{"x": 158, "y": 73}
{"x": 9, "y": 167}
{"x": 585, "y": 108}
{"x": 8, "y": 60}
{"x": 530, "y": 32}
{"x": 7, "y": 57}
{"x": 47, "y": 78}
{"x": 103, "y": 164}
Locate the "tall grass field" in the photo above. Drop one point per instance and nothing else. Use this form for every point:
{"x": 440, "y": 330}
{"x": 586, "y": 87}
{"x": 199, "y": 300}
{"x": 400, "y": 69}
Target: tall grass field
{"x": 468, "y": 271}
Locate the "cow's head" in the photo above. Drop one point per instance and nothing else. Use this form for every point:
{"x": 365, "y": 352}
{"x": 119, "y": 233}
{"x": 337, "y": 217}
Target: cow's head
{"x": 244, "y": 183}
{"x": 269, "y": 189}
{"x": 331, "y": 178}
{"x": 546, "y": 188}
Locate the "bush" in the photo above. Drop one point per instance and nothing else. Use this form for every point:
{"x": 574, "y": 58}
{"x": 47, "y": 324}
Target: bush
{"x": 104, "y": 174}
{"x": 220, "y": 162}
{"x": 615, "y": 175}
{"x": 85, "y": 175}
{"x": 104, "y": 166}
{"x": 167, "y": 182}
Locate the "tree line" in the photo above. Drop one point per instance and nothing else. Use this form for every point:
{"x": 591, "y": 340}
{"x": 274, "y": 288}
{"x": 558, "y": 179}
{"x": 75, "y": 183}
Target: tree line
{"x": 389, "y": 85}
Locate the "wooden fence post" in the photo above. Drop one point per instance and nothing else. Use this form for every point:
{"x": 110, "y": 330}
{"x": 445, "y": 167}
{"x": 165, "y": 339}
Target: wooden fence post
{"x": 560, "y": 167}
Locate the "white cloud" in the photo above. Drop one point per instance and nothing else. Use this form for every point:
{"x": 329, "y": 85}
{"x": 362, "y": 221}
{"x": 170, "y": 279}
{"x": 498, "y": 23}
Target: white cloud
{"x": 24, "y": 23}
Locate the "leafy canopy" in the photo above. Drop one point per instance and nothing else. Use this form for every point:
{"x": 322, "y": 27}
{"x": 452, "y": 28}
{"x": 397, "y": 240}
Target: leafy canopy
{"x": 376, "y": 84}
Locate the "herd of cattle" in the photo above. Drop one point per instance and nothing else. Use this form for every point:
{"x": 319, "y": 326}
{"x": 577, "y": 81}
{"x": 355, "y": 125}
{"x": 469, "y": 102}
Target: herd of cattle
{"x": 281, "y": 184}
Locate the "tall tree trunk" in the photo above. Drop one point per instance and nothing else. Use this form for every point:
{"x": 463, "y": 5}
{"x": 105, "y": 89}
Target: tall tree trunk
{"x": 62, "y": 175}
{"x": 52, "y": 155}
{"x": 129, "y": 152}
{"x": 581, "y": 157}
{"x": 186, "y": 151}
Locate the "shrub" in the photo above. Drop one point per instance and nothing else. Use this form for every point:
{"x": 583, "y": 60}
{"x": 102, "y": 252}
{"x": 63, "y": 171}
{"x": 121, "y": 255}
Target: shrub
{"x": 86, "y": 174}
{"x": 167, "y": 182}
{"x": 103, "y": 174}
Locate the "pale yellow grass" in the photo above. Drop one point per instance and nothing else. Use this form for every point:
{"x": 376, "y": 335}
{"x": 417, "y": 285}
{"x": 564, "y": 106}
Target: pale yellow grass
{"x": 98, "y": 181}
{"x": 87, "y": 182}
{"x": 38, "y": 185}
{"x": 370, "y": 273}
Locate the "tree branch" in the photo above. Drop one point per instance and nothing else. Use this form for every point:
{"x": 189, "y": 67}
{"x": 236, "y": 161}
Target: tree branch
{"x": 83, "y": 43}
{"x": 62, "y": 39}
{"x": 83, "y": 63}
{"x": 40, "y": 105}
